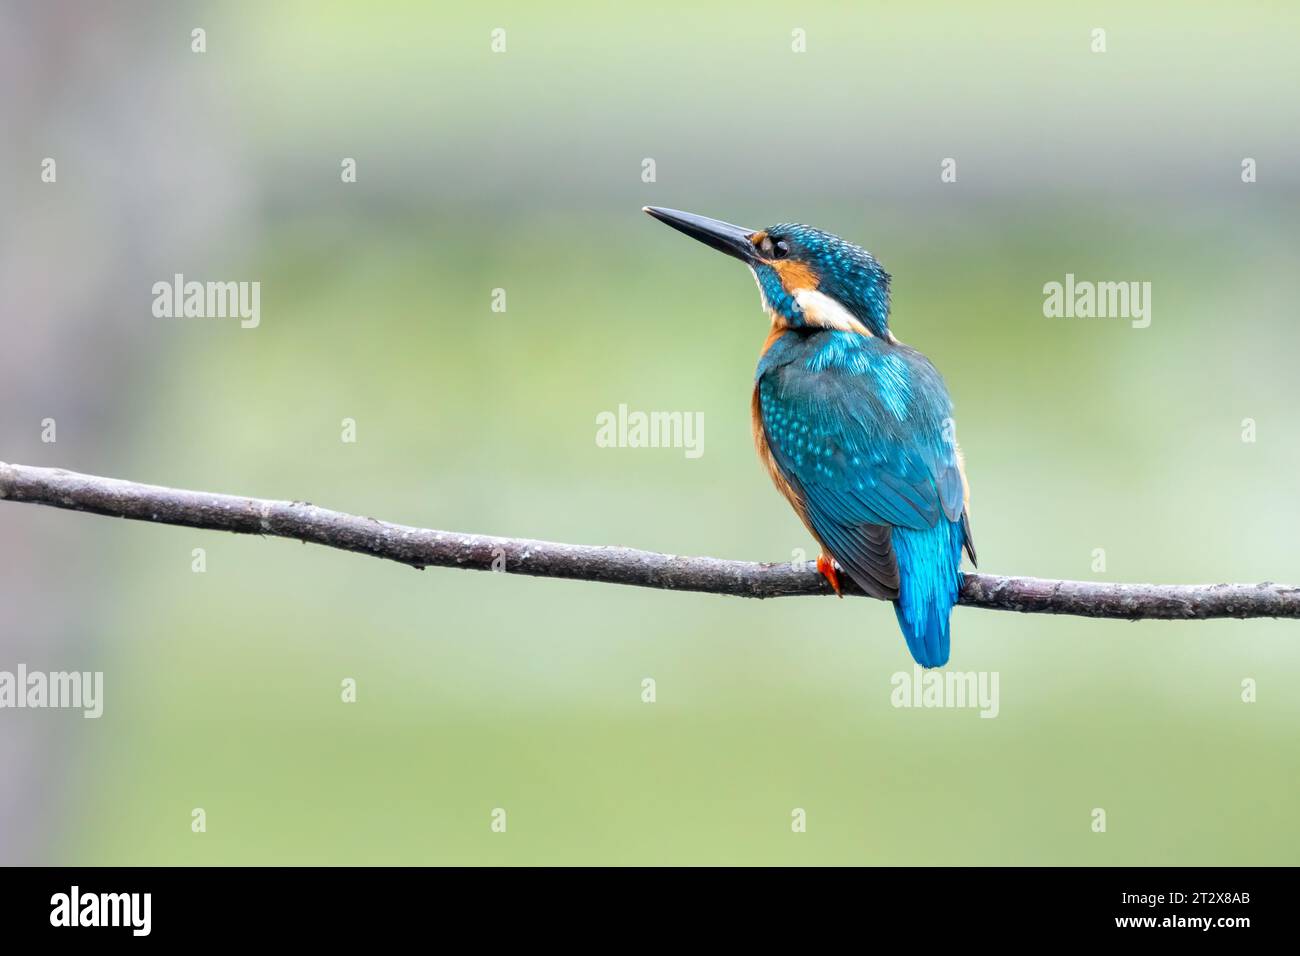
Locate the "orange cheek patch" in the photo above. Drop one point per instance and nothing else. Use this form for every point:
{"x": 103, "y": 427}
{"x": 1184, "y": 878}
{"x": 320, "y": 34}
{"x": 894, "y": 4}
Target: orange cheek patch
{"x": 795, "y": 275}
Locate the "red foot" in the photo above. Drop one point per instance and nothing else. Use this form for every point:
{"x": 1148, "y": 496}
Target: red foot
{"x": 826, "y": 567}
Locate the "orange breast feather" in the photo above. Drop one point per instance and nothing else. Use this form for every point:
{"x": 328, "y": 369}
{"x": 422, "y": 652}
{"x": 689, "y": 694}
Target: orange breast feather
{"x": 769, "y": 462}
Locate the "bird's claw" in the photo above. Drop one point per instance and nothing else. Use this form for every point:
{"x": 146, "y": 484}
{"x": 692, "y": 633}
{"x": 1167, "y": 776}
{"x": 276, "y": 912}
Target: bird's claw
{"x": 826, "y": 568}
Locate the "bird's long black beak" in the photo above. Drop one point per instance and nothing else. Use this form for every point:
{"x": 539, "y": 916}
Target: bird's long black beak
{"x": 723, "y": 236}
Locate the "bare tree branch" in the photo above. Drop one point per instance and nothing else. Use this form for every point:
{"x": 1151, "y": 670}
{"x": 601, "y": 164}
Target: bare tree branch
{"x": 423, "y": 547}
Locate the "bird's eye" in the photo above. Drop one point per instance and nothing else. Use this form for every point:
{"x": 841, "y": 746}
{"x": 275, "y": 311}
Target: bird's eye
{"x": 782, "y": 249}
{"x": 773, "y": 250}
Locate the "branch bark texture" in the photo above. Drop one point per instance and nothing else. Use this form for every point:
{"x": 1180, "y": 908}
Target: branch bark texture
{"x": 425, "y": 547}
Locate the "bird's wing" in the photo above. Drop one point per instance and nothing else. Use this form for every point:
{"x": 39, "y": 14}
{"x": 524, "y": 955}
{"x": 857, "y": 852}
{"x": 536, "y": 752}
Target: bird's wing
{"x": 864, "y": 449}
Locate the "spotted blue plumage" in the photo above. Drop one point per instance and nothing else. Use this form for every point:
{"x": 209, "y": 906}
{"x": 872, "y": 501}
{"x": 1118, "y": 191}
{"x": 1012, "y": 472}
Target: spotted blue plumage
{"x": 861, "y": 428}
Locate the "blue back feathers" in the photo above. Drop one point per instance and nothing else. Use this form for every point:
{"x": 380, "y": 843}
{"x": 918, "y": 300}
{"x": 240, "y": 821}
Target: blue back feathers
{"x": 861, "y": 428}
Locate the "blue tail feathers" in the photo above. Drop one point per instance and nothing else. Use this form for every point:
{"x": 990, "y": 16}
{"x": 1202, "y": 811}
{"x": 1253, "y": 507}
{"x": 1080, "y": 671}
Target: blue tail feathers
{"x": 929, "y": 579}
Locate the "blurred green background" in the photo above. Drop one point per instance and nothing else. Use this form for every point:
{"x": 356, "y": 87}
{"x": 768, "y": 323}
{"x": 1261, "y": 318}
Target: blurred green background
{"x": 522, "y": 170}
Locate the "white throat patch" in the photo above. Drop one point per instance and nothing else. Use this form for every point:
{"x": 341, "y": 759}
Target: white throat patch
{"x": 762, "y": 296}
{"x": 820, "y": 309}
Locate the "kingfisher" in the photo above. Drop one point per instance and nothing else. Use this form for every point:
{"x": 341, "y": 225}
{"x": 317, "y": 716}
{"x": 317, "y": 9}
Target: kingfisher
{"x": 854, "y": 427}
